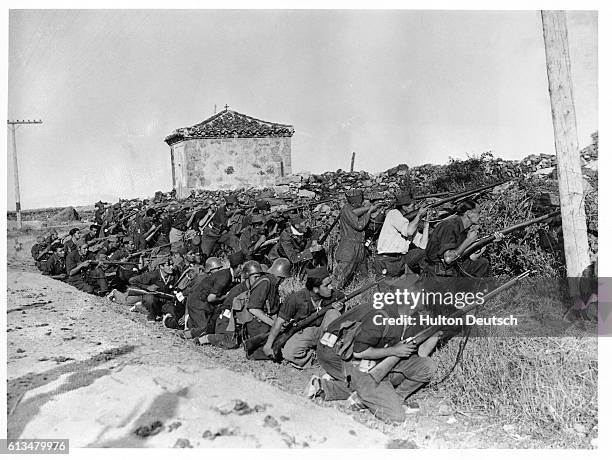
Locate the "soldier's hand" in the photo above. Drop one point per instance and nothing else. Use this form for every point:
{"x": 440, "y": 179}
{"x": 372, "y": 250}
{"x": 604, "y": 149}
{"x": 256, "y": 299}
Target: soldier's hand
{"x": 421, "y": 211}
{"x": 403, "y": 349}
{"x": 472, "y": 233}
{"x": 498, "y": 236}
{"x": 316, "y": 247}
{"x": 267, "y": 349}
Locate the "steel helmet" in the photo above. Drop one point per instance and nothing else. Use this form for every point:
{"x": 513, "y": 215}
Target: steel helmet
{"x": 251, "y": 267}
{"x": 212, "y": 263}
{"x": 281, "y": 268}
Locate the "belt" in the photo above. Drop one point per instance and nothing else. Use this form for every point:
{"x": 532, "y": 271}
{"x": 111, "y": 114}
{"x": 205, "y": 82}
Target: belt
{"x": 391, "y": 254}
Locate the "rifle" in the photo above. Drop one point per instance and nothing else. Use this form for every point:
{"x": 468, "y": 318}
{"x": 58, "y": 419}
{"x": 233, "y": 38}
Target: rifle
{"x": 431, "y": 195}
{"x": 138, "y": 291}
{"x": 465, "y": 194}
{"x": 304, "y": 205}
{"x": 482, "y": 242}
{"x": 151, "y": 233}
{"x": 382, "y": 369}
{"x": 292, "y": 327}
{"x": 48, "y": 248}
{"x": 122, "y": 220}
{"x": 114, "y": 262}
{"x": 144, "y": 251}
{"x": 325, "y": 235}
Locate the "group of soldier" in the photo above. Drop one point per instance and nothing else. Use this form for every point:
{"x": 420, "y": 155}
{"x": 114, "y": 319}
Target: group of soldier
{"x": 212, "y": 269}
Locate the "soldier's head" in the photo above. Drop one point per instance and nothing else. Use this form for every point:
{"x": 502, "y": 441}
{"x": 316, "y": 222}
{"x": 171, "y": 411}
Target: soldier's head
{"x": 94, "y": 229}
{"x": 167, "y": 267}
{"x": 213, "y": 264}
{"x": 129, "y": 245}
{"x": 354, "y": 197}
{"x": 40, "y": 239}
{"x": 236, "y": 261}
{"x": 469, "y": 211}
{"x": 404, "y": 202}
{"x": 231, "y": 201}
{"x": 318, "y": 281}
{"x": 299, "y": 223}
{"x": 59, "y": 251}
{"x": 83, "y": 249}
{"x": 75, "y": 234}
{"x": 251, "y": 272}
{"x": 258, "y": 223}
{"x": 281, "y": 268}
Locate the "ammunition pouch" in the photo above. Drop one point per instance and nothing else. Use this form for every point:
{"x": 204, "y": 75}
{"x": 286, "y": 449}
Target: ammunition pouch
{"x": 388, "y": 264}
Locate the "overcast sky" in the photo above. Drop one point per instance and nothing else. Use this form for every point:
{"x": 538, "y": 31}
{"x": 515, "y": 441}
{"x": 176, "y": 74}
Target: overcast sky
{"x": 394, "y": 86}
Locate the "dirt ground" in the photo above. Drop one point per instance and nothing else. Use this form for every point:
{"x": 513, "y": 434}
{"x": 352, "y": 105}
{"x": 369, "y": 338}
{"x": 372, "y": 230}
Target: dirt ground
{"x": 83, "y": 368}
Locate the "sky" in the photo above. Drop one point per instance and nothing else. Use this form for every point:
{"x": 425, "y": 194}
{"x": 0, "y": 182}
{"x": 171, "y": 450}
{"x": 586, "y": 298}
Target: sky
{"x": 395, "y": 87}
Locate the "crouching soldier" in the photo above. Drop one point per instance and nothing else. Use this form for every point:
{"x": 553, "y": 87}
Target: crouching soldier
{"x": 352, "y": 345}
{"x": 318, "y": 293}
{"x": 449, "y": 240}
{"x": 158, "y": 282}
{"x": 82, "y": 274}
{"x": 205, "y": 301}
{"x": 54, "y": 266}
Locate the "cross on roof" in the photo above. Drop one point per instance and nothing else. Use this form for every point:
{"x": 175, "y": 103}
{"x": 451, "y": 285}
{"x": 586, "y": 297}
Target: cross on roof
{"x": 226, "y": 107}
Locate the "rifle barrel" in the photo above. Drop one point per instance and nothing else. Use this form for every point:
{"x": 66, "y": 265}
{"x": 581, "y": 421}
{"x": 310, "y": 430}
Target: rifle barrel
{"x": 382, "y": 369}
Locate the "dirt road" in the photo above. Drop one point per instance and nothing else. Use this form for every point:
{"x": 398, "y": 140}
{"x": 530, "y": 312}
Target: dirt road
{"x": 83, "y": 368}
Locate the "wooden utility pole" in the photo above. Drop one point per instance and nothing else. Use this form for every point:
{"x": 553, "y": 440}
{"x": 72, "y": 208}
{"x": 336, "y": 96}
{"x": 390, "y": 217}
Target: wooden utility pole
{"x": 571, "y": 192}
{"x": 353, "y": 162}
{"x": 13, "y": 124}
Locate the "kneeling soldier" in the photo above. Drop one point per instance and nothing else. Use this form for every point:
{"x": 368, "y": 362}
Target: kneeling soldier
{"x": 348, "y": 353}
{"x": 318, "y": 293}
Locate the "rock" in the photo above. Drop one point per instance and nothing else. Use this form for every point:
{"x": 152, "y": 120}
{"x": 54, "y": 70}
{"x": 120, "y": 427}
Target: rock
{"x": 65, "y": 215}
{"x": 509, "y": 428}
{"x": 145, "y": 431}
{"x": 544, "y": 171}
{"x": 451, "y": 420}
{"x": 401, "y": 444}
{"x": 445, "y": 409}
{"x": 270, "y": 422}
{"x": 182, "y": 443}
{"x": 306, "y": 194}
{"x": 20, "y": 350}
{"x": 580, "y": 428}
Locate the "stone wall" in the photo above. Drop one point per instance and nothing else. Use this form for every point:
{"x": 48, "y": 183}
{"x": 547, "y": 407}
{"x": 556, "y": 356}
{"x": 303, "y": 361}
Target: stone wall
{"x": 230, "y": 163}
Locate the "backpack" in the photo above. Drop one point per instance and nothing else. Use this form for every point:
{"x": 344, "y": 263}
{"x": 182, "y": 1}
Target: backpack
{"x": 345, "y": 329}
{"x": 239, "y": 305}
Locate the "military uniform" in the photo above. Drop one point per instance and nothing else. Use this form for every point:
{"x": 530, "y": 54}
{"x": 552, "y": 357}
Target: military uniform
{"x": 449, "y": 234}
{"x": 385, "y": 399}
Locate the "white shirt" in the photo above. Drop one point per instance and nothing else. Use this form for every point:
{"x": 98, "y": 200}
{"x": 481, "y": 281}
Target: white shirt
{"x": 394, "y": 237}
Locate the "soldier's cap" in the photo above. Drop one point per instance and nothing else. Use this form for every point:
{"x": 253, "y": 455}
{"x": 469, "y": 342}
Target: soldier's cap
{"x": 257, "y": 219}
{"x": 94, "y": 227}
{"x": 403, "y": 199}
{"x": 318, "y": 273}
{"x": 236, "y": 259}
{"x": 231, "y": 199}
{"x": 73, "y": 231}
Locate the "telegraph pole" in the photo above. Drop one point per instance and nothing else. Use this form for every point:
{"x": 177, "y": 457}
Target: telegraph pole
{"x": 353, "y": 162}
{"x": 569, "y": 170}
{"x": 13, "y": 124}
